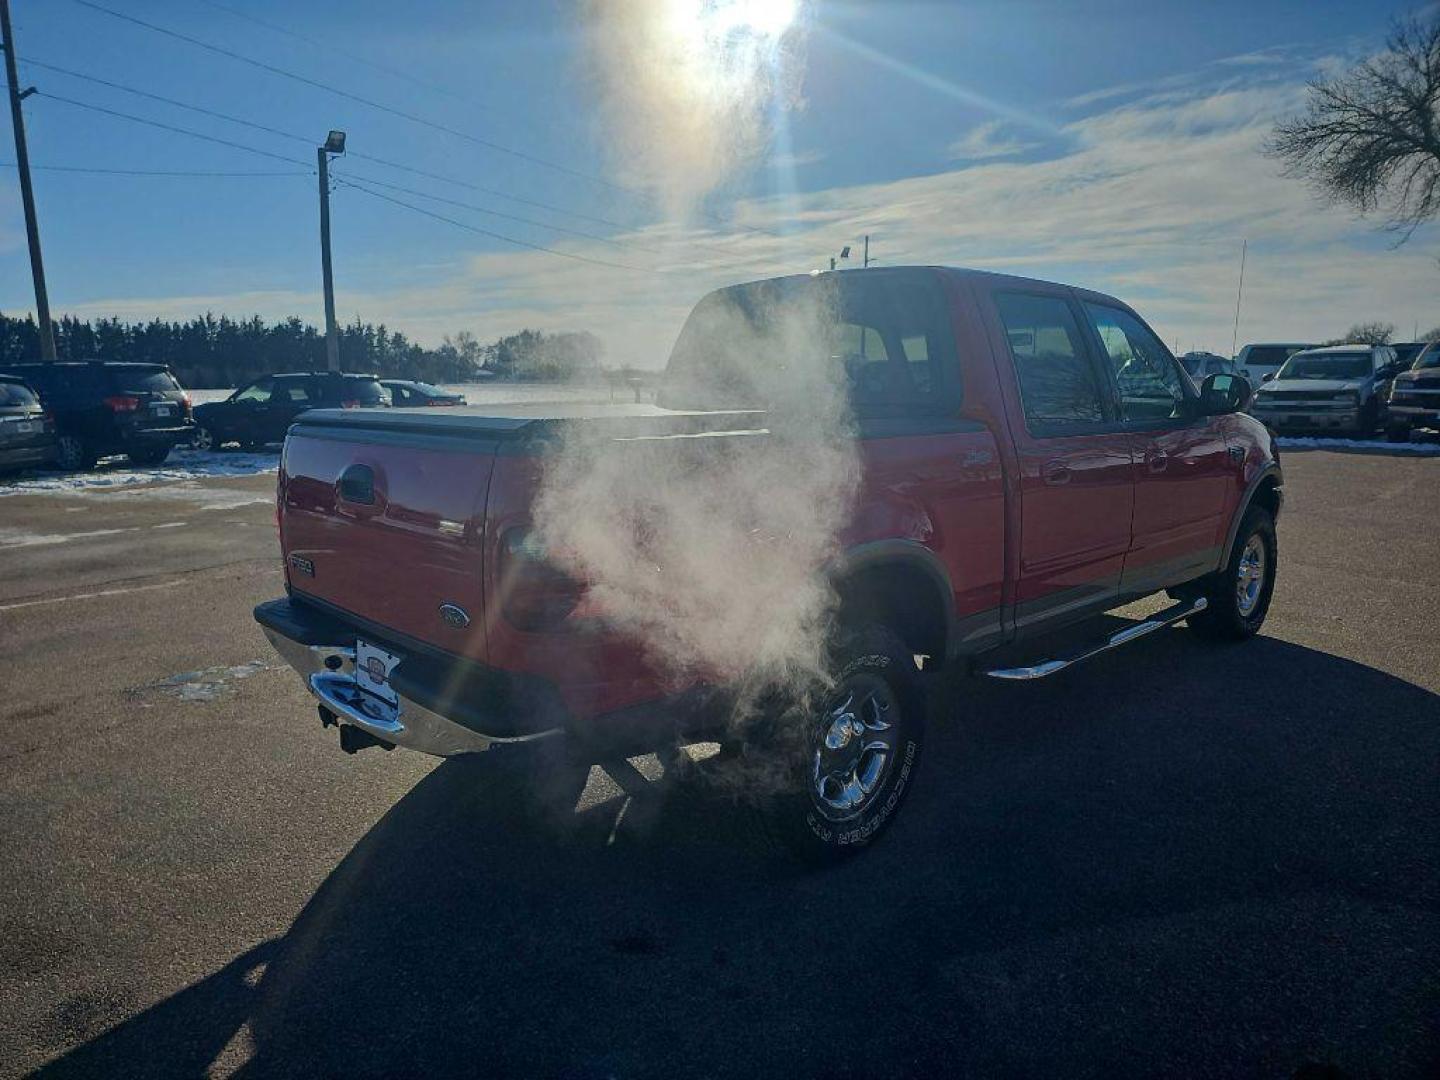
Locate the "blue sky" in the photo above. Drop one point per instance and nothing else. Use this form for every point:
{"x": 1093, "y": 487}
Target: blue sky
{"x": 1109, "y": 144}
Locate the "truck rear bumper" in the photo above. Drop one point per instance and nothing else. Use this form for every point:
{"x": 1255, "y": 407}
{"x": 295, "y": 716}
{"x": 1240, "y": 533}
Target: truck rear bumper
{"x": 321, "y": 649}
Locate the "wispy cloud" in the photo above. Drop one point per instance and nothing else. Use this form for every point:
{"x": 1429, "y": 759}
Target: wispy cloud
{"x": 989, "y": 141}
{"x": 1149, "y": 200}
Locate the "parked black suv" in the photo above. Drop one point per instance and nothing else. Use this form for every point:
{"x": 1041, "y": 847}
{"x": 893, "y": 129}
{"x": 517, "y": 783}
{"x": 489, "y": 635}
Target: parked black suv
{"x": 263, "y": 411}
{"x": 101, "y": 407}
{"x": 27, "y": 434}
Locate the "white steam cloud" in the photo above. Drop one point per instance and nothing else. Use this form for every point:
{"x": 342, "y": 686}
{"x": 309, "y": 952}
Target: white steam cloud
{"x": 687, "y": 88}
{"x": 707, "y": 548}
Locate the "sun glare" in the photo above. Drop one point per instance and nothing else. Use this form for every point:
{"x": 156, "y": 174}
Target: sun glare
{"x": 721, "y": 18}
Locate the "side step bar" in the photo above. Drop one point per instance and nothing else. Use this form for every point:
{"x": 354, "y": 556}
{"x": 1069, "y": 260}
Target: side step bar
{"x": 1158, "y": 621}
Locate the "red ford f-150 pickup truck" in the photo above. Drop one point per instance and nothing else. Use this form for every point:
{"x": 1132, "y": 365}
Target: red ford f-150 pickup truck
{"x": 1028, "y": 454}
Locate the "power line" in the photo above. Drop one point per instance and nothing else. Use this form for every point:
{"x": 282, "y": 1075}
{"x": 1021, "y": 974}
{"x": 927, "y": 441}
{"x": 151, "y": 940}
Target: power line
{"x": 360, "y": 181}
{"x": 391, "y": 110}
{"x": 331, "y": 47}
{"x": 150, "y": 172}
{"x": 168, "y": 127}
{"x": 368, "y": 102}
{"x": 293, "y": 137}
{"x": 165, "y": 100}
{"x": 495, "y": 235}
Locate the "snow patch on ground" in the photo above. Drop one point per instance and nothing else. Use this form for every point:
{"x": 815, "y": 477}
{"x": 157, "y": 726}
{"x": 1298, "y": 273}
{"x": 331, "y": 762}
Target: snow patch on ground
{"x": 192, "y": 492}
{"x": 207, "y": 684}
{"x": 1311, "y": 442}
{"x": 116, "y": 474}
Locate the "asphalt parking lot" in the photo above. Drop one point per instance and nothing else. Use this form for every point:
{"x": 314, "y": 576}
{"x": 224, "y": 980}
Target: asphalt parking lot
{"x": 1177, "y": 860}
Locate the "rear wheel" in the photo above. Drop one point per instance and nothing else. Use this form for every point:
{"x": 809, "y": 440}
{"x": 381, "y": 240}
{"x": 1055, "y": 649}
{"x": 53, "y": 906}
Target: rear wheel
{"x": 1238, "y": 597}
{"x": 72, "y": 453}
{"x": 841, "y": 763}
{"x": 149, "y": 455}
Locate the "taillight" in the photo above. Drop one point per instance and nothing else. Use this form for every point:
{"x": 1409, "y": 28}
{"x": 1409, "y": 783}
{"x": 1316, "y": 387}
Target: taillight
{"x": 534, "y": 593}
{"x": 185, "y": 400}
{"x": 350, "y": 403}
{"x": 122, "y": 403}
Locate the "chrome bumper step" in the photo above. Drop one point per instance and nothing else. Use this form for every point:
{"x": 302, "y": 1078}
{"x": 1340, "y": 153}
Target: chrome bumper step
{"x": 1158, "y": 621}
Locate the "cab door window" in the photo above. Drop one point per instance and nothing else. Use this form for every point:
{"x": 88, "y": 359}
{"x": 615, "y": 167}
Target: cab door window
{"x": 1147, "y": 378}
{"x": 1059, "y": 386}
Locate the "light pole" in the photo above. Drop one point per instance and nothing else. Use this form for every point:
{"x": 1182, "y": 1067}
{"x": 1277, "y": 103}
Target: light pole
{"x": 334, "y": 144}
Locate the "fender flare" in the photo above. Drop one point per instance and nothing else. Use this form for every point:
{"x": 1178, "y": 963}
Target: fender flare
{"x": 908, "y": 553}
{"x": 1272, "y": 469}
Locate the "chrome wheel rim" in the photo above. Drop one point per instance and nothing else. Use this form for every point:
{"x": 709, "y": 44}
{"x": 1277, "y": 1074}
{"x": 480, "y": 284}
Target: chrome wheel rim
{"x": 1250, "y": 577}
{"x": 853, "y": 747}
{"x": 204, "y": 440}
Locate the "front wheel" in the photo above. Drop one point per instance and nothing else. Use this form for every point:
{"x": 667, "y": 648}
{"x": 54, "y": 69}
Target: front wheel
{"x": 1398, "y": 433}
{"x": 204, "y": 439}
{"x": 850, "y": 753}
{"x": 1238, "y": 596}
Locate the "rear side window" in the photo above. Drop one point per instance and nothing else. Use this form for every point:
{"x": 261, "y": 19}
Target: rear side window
{"x": 1058, "y": 383}
{"x": 292, "y": 391}
{"x": 891, "y": 336}
{"x": 1149, "y": 383}
{"x": 16, "y": 395}
{"x": 151, "y": 380}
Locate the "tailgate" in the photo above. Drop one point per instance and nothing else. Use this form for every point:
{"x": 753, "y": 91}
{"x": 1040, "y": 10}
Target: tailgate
{"x": 389, "y": 528}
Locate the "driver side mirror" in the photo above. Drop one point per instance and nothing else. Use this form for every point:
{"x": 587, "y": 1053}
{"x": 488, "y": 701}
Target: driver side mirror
{"x": 1221, "y": 394}
{"x": 1267, "y": 376}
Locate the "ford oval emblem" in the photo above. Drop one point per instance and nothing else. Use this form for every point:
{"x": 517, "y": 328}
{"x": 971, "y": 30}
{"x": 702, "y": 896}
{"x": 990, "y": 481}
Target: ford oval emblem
{"x": 454, "y": 616}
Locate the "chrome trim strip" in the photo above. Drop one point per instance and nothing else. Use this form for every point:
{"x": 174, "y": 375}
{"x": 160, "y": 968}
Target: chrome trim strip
{"x": 411, "y": 725}
{"x": 1158, "y": 621}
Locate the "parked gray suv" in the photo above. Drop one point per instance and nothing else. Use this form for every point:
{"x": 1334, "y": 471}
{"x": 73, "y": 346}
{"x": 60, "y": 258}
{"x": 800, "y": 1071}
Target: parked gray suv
{"x": 1341, "y": 388}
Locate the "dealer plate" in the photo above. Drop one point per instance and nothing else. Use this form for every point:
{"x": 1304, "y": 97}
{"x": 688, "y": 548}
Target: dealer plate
{"x": 372, "y": 672}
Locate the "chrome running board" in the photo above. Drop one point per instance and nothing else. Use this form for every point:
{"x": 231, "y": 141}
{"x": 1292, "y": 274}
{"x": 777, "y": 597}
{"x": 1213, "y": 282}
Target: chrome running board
{"x": 1158, "y": 621}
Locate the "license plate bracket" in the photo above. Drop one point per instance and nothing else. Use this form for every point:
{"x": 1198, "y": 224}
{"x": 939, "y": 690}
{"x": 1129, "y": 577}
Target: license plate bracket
{"x": 373, "y": 666}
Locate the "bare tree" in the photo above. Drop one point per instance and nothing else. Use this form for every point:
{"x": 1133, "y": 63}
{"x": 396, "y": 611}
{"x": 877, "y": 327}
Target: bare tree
{"x": 1371, "y": 139}
{"x": 1368, "y": 333}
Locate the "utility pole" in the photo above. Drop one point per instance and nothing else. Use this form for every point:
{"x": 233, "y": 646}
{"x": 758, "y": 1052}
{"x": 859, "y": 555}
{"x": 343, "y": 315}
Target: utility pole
{"x": 867, "y": 252}
{"x": 334, "y": 144}
{"x": 1239, "y": 291}
{"x": 27, "y": 193}
{"x": 332, "y": 334}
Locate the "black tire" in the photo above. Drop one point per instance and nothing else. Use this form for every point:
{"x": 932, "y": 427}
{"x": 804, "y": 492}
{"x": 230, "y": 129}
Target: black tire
{"x": 1368, "y": 422}
{"x": 1398, "y": 433}
{"x": 150, "y": 455}
{"x": 1233, "y": 613}
{"x": 205, "y": 440}
{"x": 73, "y": 454}
{"x": 875, "y": 683}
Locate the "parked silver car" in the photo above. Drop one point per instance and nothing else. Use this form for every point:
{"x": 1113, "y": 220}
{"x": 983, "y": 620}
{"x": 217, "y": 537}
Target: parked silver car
{"x": 1341, "y": 388}
{"x": 1260, "y": 361}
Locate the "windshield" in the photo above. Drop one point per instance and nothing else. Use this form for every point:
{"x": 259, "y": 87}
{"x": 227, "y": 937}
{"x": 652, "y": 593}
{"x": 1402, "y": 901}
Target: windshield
{"x": 1430, "y": 358}
{"x": 15, "y": 395}
{"x": 1405, "y": 354}
{"x": 1327, "y": 366}
{"x": 365, "y": 391}
{"x": 144, "y": 379}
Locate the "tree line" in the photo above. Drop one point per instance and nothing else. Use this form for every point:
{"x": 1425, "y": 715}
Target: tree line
{"x": 211, "y": 351}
